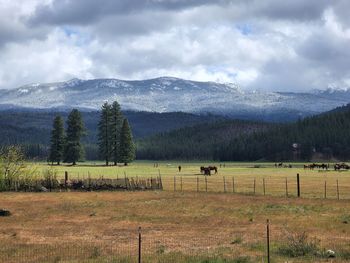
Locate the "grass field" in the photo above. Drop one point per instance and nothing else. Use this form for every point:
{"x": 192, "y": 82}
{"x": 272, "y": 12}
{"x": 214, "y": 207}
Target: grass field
{"x": 181, "y": 226}
{"x": 175, "y": 226}
{"x": 239, "y": 177}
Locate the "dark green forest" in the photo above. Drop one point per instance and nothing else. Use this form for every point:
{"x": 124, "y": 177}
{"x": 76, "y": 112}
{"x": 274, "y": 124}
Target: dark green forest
{"x": 31, "y": 129}
{"x": 165, "y": 136}
{"x": 327, "y": 135}
{"x": 197, "y": 142}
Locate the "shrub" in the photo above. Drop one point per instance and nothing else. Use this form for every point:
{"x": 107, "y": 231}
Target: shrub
{"x": 299, "y": 245}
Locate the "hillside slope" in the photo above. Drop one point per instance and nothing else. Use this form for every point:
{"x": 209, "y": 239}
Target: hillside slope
{"x": 197, "y": 142}
{"x": 171, "y": 95}
{"x": 327, "y": 135}
{"x": 33, "y": 127}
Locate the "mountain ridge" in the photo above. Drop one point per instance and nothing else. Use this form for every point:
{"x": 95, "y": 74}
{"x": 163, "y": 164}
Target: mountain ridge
{"x": 169, "y": 94}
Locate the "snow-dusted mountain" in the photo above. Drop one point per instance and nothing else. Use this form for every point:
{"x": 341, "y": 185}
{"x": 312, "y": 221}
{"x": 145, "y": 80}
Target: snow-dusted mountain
{"x": 168, "y": 95}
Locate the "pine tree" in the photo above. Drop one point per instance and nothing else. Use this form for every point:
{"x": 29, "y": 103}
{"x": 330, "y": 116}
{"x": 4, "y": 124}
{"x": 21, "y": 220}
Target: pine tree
{"x": 57, "y": 141}
{"x": 104, "y": 133}
{"x": 115, "y": 128}
{"x": 127, "y": 146}
{"x": 74, "y": 150}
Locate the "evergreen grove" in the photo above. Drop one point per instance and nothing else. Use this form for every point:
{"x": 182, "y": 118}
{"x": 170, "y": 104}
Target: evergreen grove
{"x": 115, "y": 141}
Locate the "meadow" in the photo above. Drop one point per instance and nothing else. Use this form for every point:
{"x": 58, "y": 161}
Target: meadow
{"x": 182, "y": 225}
{"x": 247, "y": 178}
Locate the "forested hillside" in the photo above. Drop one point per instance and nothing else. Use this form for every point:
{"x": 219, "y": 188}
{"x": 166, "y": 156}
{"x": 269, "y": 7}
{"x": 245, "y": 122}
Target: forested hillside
{"x": 327, "y": 134}
{"x": 197, "y": 142}
{"x": 31, "y": 129}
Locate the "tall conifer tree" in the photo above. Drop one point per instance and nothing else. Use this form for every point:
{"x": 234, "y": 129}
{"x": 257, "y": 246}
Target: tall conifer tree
{"x": 127, "y": 146}
{"x": 115, "y": 128}
{"x": 57, "y": 141}
{"x": 104, "y": 133}
{"x": 74, "y": 150}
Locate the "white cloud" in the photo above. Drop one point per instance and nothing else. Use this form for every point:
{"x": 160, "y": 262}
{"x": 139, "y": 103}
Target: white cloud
{"x": 297, "y": 45}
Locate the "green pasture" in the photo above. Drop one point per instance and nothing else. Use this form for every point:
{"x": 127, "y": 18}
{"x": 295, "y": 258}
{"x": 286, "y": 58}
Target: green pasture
{"x": 247, "y": 178}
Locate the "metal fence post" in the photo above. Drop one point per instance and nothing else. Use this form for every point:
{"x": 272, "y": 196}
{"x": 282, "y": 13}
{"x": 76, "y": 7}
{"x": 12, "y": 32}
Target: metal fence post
{"x": 140, "y": 250}
{"x": 286, "y": 187}
{"x": 268, "y": 240}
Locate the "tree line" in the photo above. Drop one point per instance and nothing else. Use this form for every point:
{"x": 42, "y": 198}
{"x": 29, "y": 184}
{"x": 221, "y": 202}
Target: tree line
{"x": 115, "y": 141}
{"x": 323, "y": 136}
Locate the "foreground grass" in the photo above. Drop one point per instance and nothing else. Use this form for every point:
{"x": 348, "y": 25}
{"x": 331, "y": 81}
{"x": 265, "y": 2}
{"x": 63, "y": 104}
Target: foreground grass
{"x": 176, "y": 227}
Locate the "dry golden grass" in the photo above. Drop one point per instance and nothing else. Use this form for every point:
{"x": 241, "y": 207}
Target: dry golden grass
{"x": 188, "y": 222}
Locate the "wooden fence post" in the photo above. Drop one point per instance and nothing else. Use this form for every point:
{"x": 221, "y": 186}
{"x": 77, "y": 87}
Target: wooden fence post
{"x": 264, "y": 186}
{"x": 197, "y": 184}
{"x": 206, "y": 184}
{"x": 254, "y": 185}
{"x": 181, "y": 182}
{"x": 286, "y": 187}
{"x": 325, "y": 189}
{"x": 233, "y": 184}
{"x": 298, "y": 185}
{"x": 65, "y": 179}
{"x": 337, "y": 190}
{"x": 174, "y": 183}
{"x": 224, "y": 184}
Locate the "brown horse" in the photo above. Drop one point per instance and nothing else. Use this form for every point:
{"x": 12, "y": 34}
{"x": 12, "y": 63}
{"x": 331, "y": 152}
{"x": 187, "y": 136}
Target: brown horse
{"x": 213, "y": 168}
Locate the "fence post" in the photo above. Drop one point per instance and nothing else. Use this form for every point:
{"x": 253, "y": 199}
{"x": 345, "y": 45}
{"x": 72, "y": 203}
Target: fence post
{"x": 181, "y": 182}
{"x": 140, "y": 250}
{"x": 174, "y": 183}
{"x": 254, "y": 185}
{"x": 337, "y": 190}
{"x": 233, "y": 184}
{"x": 65, "y": 179}
{"x": 264, "y": 186}
{"x": 224, "y": 184}
{"x": 206, "y": 184}
{"x": 268, "y": 240}
{"x": 197, "y": 184}
{"x": 325, "y": 189}
{"x": 298, "y": 185}
{"x": 126, "y": 181}
{"x": 286, "y": 187}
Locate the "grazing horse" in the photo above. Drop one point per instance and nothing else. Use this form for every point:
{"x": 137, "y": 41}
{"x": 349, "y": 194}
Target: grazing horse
{"x": 205, "y": 170}
{"x": 213, "y": 168}
{"x": 339, "y": 166}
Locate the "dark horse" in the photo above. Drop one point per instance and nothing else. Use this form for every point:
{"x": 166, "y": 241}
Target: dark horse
{"x": 207, "y": 170}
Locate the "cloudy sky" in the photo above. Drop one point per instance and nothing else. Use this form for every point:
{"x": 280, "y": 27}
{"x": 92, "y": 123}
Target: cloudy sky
{"x": 289, "y": 45}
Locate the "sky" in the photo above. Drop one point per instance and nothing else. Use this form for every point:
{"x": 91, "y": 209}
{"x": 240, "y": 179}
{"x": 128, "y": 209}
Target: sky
{"x": 269, "y": 45}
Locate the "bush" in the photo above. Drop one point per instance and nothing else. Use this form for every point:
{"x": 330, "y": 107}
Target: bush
{"x": 14, "y": 173}
{"x": 50, "y": 180}
{"x": 299, "y": 245}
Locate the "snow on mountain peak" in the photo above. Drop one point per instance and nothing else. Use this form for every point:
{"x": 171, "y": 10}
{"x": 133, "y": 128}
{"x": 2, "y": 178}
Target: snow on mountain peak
{"x": 168, "y": 94}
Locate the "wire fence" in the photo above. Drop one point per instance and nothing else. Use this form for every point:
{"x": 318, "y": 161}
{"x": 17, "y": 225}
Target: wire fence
{"x": 291, "y": 186}
{"x": 262, "y": 243}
